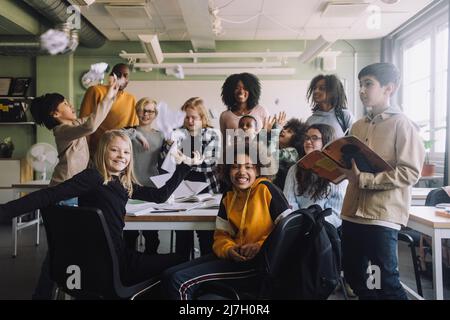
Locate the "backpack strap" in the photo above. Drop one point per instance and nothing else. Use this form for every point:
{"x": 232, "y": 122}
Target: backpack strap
{"x": 340, "y": 119}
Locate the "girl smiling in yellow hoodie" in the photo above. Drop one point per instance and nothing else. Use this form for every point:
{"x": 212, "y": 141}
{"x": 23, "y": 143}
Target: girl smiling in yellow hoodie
{"x": 248, "y": 213}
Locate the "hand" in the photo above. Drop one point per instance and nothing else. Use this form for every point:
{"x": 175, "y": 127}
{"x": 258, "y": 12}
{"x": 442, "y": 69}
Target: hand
{"x": 113, "y": 87}
{"x": 178, "y": 156}
{"x": 196, "y": 159}
{"x": 250, "y": 250}
{"x": 281, "y": 119}
{"x": 143, "y": 142}
{"x": 269, "y": 122}
{"x": 352, "y": 174}
{"x": 233, "y": 254}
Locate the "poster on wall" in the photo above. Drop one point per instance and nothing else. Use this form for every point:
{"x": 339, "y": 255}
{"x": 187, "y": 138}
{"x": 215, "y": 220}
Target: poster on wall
{"x": 5, "y": 83}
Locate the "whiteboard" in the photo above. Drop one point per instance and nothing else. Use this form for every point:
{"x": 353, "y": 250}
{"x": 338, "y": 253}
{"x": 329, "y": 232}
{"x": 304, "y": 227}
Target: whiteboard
{"x": 290, "y": 94}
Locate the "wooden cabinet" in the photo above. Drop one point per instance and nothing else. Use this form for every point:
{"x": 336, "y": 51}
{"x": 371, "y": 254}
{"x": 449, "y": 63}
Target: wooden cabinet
{"x": 12, "y": 171}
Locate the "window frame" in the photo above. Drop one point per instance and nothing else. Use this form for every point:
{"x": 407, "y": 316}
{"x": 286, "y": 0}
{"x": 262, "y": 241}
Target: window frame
{"x": 427, "y": 29}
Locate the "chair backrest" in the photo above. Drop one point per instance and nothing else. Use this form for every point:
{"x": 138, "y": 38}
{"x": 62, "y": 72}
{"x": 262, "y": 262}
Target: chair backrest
{"x": 436, "y": 196}
{"x": 83, "y": 261}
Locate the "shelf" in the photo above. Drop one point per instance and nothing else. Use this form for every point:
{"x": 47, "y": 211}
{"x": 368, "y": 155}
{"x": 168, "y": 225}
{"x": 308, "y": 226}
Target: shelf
{"x": 21, "y": 98}
{"x": 17, "y": 123}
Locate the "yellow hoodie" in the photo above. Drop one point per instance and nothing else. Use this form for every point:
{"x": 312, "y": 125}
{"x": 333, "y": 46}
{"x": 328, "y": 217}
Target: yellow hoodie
{"x": 249, "y": 220}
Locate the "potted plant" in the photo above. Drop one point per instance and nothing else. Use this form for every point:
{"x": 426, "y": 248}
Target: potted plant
{"x": 6, "y": 148}
{"x": 428, "y": 168}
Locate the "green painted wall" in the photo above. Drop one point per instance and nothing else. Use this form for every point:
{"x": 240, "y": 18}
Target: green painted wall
{"x": 63, "y": 73}
{"x": 368, "y": 52}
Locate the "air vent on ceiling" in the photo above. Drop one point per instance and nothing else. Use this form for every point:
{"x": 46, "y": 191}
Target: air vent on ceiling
{"x": 344, "y": 9}
{"x": 135, "y": 12}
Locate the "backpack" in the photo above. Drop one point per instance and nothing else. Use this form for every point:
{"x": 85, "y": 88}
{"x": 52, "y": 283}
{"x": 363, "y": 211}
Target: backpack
{"x": 315, "y": 265}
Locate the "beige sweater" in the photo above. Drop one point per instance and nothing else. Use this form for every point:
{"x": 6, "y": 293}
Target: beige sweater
{"x": 386, "y": 196}
{"x": 71, "y": 143}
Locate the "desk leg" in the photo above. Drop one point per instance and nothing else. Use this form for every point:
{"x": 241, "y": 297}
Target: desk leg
{"x": 38, "y": 218}
{"x": 437, "y": 265}
{"x": 14, "y": 236}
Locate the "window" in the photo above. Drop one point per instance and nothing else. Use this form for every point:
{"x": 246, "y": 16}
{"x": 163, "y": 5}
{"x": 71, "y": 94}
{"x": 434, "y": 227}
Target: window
{"x": 424, "y": 89}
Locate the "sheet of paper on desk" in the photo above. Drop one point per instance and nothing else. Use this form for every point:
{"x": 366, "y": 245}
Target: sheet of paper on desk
{"x": 185, "y": 206}
{"x": 138, "y": 209}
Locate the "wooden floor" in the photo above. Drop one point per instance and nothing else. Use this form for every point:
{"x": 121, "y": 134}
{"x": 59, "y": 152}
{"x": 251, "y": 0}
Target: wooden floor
{"x": 18, "y": 275}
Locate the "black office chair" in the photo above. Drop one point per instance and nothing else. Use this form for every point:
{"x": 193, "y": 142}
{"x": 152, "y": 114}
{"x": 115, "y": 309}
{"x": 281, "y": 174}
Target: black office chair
{"x": 80, "y": 245}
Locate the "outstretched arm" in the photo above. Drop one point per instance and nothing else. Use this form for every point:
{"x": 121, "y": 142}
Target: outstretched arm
{"x": 74, "y": 187}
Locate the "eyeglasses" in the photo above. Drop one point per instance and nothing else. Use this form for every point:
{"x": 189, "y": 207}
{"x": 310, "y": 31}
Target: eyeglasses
{"x": 148, "y": 111}
{"x": 312, "y": 138}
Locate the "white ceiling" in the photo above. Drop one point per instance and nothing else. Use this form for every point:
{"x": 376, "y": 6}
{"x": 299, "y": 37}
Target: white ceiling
{"x": 253, "y": 19}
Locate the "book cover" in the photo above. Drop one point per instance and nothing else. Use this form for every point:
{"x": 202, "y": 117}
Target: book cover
{"x": 344, "y": 149}
{"x": 323, "y": 166}
{"x": 338, "y": 154}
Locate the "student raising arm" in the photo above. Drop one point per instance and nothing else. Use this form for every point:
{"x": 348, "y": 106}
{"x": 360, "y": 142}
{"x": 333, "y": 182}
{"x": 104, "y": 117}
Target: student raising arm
{"x": 108, "y": 187}
{"x": 54, "y": 112}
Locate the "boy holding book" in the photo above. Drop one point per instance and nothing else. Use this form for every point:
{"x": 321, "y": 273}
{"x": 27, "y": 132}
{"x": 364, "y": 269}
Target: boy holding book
{"x": 376, "y": 205}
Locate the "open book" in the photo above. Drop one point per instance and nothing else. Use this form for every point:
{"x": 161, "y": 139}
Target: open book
{"x": 338, "y": 154}
{"x": 205, "y": 200}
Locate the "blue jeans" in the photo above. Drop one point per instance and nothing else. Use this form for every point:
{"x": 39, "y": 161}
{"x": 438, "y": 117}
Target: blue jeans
{"x": 363, "y": 243}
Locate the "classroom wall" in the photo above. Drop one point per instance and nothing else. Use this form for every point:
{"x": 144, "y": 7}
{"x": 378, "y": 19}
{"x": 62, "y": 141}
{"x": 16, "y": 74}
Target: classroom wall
{"x": 63, "y": 74}
{"x": 368, "y": 51}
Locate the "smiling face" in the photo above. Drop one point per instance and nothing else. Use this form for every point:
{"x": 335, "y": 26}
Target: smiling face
{"x": 117, "y": 156}
{"x": 147, "y": 114}
{"x": 320, "y": 92}
{"x": 64, "y": 112}
{"x": 313, "y": 141}
{"x": 243, "y": 173}
{"x": 241, "y": 93}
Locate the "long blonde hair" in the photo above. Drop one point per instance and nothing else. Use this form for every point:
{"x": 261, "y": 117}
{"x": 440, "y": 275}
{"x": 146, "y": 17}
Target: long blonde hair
{"x": 127, "y": 177}
{"x": 197, "y": 104}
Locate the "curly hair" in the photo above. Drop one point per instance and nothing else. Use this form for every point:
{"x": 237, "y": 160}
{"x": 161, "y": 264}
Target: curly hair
{"x": 298, "y": 127}
{"x": 307, "y": 182}
{"x": 251, "y": 84}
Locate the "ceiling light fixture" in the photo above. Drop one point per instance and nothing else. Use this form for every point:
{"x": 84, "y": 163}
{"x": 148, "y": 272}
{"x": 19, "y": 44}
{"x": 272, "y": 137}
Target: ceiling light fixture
{"x": 151, "y": 47}
{"x": 390, "y": 1}
{"x": 315, "y": 48}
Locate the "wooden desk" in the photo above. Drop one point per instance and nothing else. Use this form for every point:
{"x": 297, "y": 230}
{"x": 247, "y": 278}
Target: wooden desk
{"x": 195, "y": 219}
{"x": 424, "y": 219}
{"x": 419, "y": 195}
{"x": 17, "y": 223}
